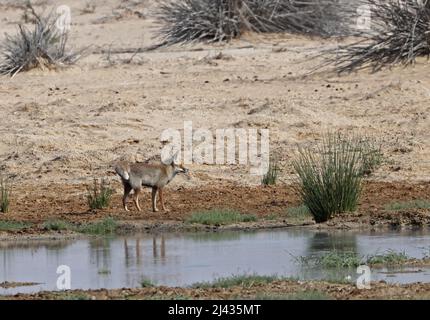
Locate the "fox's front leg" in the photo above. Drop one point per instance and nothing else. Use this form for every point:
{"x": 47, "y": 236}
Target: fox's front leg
{"x": 127, "y": 190}
{"x": 160, "y": 193}
{"x": 154, "y": 199}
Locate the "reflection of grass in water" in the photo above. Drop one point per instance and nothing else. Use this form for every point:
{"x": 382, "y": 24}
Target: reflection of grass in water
{"x": 103, "y": 271}
{"x": 105, "y": 226}
{"x": 239, "y": 280}
{"x": 13, "y": 225}
{"x": 414, "y": 204}
{"x": 215, "y": 236}
{"x": 220, "y": 217}
{"x": 304, "y": 295}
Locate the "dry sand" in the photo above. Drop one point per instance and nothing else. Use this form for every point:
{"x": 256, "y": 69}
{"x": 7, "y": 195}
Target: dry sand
{"x": 63, "y": 128}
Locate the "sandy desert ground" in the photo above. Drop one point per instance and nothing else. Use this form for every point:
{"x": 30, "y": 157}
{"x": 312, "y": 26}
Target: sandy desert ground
{"x": 62, "y": 128}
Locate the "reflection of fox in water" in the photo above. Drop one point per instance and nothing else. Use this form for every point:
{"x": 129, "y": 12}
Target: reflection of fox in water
{"x": 134, "y": 176}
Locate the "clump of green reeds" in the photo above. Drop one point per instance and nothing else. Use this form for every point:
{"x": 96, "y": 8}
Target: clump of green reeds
{"x": 99, "y": 195}
{"x": 4, "y": 196}
{"x": 271, "y": 177}
{"x": 330, "y": 177}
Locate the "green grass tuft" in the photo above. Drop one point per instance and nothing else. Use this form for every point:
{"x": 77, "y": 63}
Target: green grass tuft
{"x": 300, "y": 213}
{"x": 371, "y": 155}
{"x": 271, "y": 176}
{"x": 146, "y": 283}
{"x": 332, "y": 259}
{"x": 13, "y": 225}
{"x": 238, "y": 280}
{"x": 99, "y": 195}
{"x": 304, "y": 295}
{"x": 388, "y": 258}
{"x": 57, "y": 225}
{"x": 4, "y": 196}
{"x": 220, "y": 217}
{"x": 75, "y": 296}
{"x": 414, "y": 204}
{"x": 103, "y": 271}
{"x": 106, "y": 226}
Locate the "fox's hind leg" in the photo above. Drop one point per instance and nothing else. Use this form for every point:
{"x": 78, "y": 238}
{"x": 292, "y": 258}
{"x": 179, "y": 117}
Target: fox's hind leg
{"x": 154, "y": 199}
{"x": 127, "y": 190}
{"x": 136, "y": 198}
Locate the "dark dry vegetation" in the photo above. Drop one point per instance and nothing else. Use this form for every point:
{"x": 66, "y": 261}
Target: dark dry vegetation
{"x": 186, "y": 21}
{"x": 42, "y": 46}
{"x": 399, "y": 34}
{"x": 397, "y": 31}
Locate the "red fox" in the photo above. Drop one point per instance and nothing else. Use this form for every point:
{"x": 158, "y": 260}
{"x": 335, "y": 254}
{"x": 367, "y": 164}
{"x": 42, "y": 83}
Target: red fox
{"x": 134, "y": 176}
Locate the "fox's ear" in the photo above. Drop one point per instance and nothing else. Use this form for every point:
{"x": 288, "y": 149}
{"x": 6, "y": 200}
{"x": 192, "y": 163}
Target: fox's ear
{"x": 175, "y": 158}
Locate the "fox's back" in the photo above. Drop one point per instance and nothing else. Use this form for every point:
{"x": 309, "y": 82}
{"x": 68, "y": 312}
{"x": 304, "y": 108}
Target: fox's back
{"x": 149, "y": 175}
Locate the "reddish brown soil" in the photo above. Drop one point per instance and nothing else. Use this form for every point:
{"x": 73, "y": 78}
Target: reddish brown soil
{"x": 277, "y": 289}
{"x": 69, "y": 203}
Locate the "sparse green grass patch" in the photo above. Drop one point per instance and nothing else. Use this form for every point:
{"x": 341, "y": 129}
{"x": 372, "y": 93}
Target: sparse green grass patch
{"x": 13, "y": 225}
{"x": 371, "y": 155}
{"x": 238, "y": 280}
{"x": 332, "y": 259}
{"x": 271, "y": 216}
{"x": 413, "y": 204}
{"x": 57, "y": 225}
{"x": 99, "y": 195}
{"x": 105, "y": 226}
{"x": 75, "y": 296}
{"x": 299, "y": 213}
{"x": 220, "y": 217}
{"x": 303, "y": 295}
{"x": 388, "y": 258}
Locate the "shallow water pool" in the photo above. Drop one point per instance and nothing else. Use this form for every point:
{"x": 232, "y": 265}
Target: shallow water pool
{"x": 184, "y": 259}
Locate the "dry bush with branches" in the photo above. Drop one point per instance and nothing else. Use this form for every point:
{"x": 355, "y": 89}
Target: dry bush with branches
{"x": 184, "y": 21}
{"x": 43, "y": 46}
{"x": 399, "y": 33}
